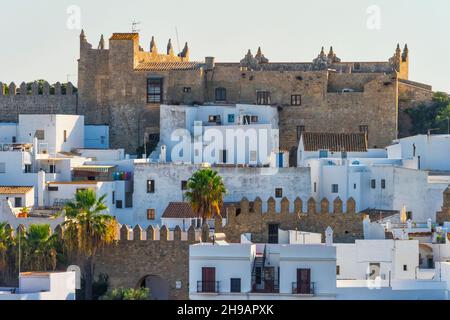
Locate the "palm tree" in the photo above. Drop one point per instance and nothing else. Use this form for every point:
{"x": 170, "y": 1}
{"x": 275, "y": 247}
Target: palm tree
{"x": 39, "y": 248}
{"x": 87, "y": 230}
{"x": 205, "y": 193}
{"x": 6, "y": 252}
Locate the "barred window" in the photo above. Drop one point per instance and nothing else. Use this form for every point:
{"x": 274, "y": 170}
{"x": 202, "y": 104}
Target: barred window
{"x": 221, "y": 94}
{"x": 263, "y": 97}
{"x": 154, "y": 90}
{"x": 296, "y": 100}
{"x": 150, "y": 214}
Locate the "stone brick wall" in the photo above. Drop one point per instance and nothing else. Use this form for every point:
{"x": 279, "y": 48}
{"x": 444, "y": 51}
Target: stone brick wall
{"x": 444, "y": 215}
{"x": 19, "y": 100}
{"x": 139, "y": 253}
{"x": 346, "y": 226}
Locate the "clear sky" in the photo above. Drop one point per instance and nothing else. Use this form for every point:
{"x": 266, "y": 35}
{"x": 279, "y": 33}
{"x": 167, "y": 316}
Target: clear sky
{"x": 38, "y": 43}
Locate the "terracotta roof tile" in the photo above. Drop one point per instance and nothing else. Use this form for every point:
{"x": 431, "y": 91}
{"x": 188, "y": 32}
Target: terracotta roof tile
{"x": 124, "y": 36}
{"x": 165, "y": 66}
{"x": 184, "y": 210}
{"x": 15, "y": 189}
{"x": 336, "y": 142}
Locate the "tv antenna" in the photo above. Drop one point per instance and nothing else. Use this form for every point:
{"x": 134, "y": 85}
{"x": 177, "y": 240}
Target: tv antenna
{"x": 178, "y": 39}
{"x": 134, "y": 26}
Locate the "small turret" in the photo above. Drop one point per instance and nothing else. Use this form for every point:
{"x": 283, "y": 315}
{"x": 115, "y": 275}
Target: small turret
{"x": 398, "y": 51}
{"x": 153, "y": 48}
{"x": 101, "y": 43}
{"x": 82, "y": 36}
{"x": 322, "y": 53}
{"x": 260, "y": 57}
{"x": 185, "y": 52}
{"x": 170, "y": 48}
{"x": 405, "y": 54}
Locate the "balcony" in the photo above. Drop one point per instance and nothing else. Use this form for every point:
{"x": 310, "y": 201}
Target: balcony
{"x": 208, "y": 286}
{"x": 303, "y": 288}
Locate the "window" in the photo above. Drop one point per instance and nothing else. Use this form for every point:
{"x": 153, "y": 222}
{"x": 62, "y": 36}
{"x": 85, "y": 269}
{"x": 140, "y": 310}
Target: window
{"x": 254, "y": 119}
{"x": 300, "y": 129}
{"x": 334, "y": 188}
{"x": 253, "y": 155}
{"x": 373, "y": 184}
{"x": 102, "y": 139}
{"x": 214, "y": 118}
{"x": 52, "y": 168}
{"x": 65, "y": 135}
{"x": 223, "y": 156}
{"x": 14, "y": 140}
{"x": 2, "y": 167}
{"x": 262, "y": 97}
{"x": 296, "y": 100}
{"x": 184, "y": 185}
{"x": 113, "y": 196}
{"x": 323, "y": 153}
{"x": 354, "y": 186}
{"x": 119, "y": 204}
{"x": 364, "y": 129}
{"x": 231, "y": 118}
{"x": 39, "y": 134}
{"x": 17, "y": 202}
{"x": 235, "y": 285}
{"x": 383, "y": 184}
{"x": 278, "y": 192}
{"x": 405, "y": 267}
{"x": 315, "y": 186}
{"x": 344, "y": 155}
{"x": 28, "y": 168}
{"x": 187, "y": 89}
{"x": 221, "y": 94}
{"x": 52, "y": 188}
{"x": 150, "y": 214}
{"x": 154, "y": 90}
{"x": 150, "y": 186}
{"x": 357, "y": 66}
{"x": 338, "y": 270}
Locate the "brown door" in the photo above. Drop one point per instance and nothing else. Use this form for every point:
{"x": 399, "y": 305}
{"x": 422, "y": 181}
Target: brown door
{"x": 303, "y": 281}
{"x": 208, "y": 279}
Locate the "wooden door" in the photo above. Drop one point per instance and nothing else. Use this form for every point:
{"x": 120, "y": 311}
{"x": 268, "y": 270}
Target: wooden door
{"x": 304, "y": 281}
{"x": 208, "y": 279}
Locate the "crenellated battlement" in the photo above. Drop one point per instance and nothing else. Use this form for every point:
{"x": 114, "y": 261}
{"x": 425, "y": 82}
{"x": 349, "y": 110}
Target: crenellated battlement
{"x": 163, "y": 234}
{"x": 250, "y": 218}
{"x": 42, "y": 88}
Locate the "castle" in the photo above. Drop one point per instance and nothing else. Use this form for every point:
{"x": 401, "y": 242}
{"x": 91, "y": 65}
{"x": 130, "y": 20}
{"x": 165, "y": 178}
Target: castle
{"x": 124, "y": 85}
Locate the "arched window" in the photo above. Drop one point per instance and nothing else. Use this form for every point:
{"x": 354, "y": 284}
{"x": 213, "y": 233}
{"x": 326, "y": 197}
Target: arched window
{"x": 221, "y": 94}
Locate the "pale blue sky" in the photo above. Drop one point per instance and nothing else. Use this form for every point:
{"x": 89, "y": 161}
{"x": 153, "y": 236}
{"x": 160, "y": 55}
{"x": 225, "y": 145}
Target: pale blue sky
{"x": 36, "y": 42}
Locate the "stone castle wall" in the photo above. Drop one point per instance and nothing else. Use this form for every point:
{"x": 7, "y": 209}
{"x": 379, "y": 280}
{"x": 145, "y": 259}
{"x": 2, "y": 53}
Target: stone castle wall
{"x": 46, "y": 100}
{"x": 346, "y": 226}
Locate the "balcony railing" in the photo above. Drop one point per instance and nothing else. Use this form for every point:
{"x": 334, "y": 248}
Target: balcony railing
{"x": 303, "y": 288}
{"x": 208, "y": 286}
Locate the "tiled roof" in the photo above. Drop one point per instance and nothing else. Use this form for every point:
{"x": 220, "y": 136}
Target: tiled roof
{"x": 350, "y": 142}
{"x": 165, "y": 66}
{"x": 184, "y": 210}
{"x": 15, "y": 190}
{"x": 178, "y": 210}
{"x": 124, "y": 36}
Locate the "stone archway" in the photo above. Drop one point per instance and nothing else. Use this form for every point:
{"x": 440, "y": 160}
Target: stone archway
{"x": 159, "y": 288}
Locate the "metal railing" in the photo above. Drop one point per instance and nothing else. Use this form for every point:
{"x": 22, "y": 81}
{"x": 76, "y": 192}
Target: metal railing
{"x": 208, "y": 286}
{"x": 298, "y": 288}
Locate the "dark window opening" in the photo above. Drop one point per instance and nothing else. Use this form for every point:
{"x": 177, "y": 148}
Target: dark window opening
{"x": 150, "y": 214}
{"x": 263, "y": 97}
{"x": 235, "y": 285}
{"x": 296, "y": 100}
{"x": 373, "y": 184}
{"x": 334, "y": 188}
{"x": 221, "y": 94}
{"x": 150, "y": 186}
{"x": 187, "y": 89}
{"x": 278, "y": 192}
{"x": 17, "y": 202}
{"x": 119, "y": 204}
{"x": 383, "y": 184}
{"x": 154, "y": 90}
{"x": 184, "y": 185}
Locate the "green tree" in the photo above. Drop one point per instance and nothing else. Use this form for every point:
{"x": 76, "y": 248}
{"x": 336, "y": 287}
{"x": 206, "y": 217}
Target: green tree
{"x": 7, "y": 257}
{"x": 205, "y": 193}
{"x": 87, "y": 229}
{"x": 127, "y": 294}
{"x": 39, "y": 248}
{"x": 433, "y": 116}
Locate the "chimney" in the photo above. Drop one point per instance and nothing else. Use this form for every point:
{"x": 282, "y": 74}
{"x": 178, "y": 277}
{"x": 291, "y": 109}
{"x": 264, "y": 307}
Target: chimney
{"x": 329, "y": 236}
{"x": 209, "y": 63}
{"x": 41, "y": 187}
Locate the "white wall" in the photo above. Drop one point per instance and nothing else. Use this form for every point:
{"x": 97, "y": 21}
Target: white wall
{"x": 96, "y": 136}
